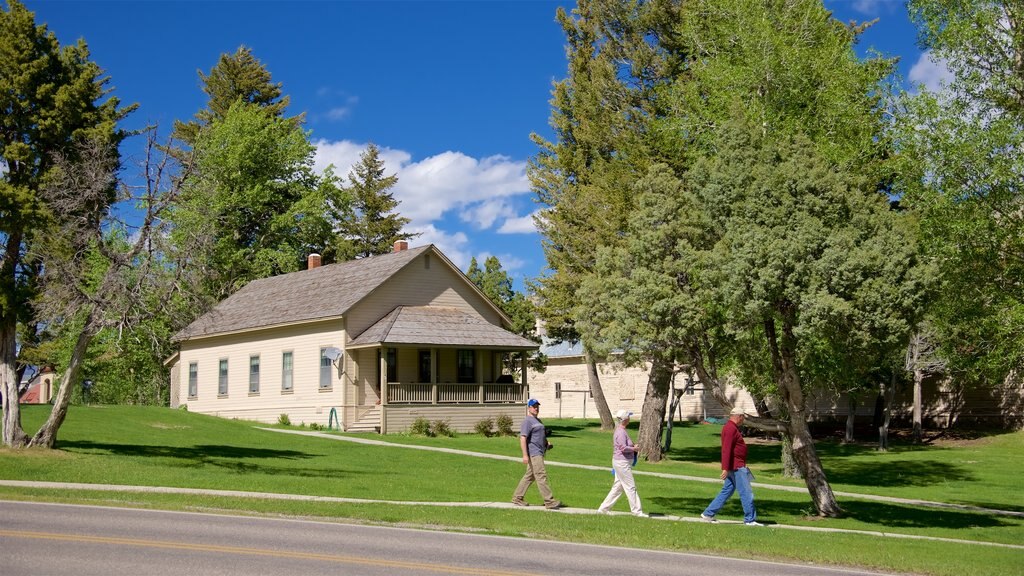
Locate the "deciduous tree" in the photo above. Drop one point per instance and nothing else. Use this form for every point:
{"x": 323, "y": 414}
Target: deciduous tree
{"x": 963, "y": 177}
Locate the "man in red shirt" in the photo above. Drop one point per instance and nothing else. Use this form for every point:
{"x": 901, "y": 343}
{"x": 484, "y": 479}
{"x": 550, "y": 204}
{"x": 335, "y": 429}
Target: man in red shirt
{"x": 734, "y": 472}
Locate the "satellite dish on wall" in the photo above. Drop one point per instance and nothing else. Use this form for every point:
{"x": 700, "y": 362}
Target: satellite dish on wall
{"x": 333, "y": 353}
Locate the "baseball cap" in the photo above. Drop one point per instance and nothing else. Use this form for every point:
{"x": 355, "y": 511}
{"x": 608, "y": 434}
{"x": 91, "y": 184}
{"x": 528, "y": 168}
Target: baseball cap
{"x": 737, "y": 411}
{"x": 623, "y": 414}
{"x": 533, "y": 402}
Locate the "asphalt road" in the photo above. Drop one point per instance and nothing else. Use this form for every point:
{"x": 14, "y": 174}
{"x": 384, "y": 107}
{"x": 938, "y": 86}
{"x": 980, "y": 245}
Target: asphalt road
{"x": 44, "y": 539}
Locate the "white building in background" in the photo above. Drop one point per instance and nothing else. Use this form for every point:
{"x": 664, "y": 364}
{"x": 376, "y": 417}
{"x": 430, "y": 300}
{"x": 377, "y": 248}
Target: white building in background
{"x": 564, "y": 391}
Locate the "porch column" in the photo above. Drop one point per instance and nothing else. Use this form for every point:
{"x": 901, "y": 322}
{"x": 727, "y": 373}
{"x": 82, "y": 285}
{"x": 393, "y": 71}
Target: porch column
{"x": 478, "y": 360}
{"x": 522, "y": 368}
{"x": 433, "y": 375}
{"x": 383, "y": 375}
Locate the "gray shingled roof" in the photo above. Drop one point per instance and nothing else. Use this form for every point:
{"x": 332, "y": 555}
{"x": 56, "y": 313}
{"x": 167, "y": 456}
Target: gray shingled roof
{"x": 439, "y": 326}
{"x": 321, "y": 293}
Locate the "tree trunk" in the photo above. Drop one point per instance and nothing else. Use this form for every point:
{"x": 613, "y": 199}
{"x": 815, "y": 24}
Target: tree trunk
{"x": 676, "y": 394}
{"x": 594, "y": 382}
{"x": 653, "y": 414}
{"x": 788, "y": 381}
{"x": 790, "y": 469}
{"x": 887, "y": 393}
{"x": 47, "y": 435}
{"x": 851, "y": 416}
{"x": 14, "y": 435}
{"x": 918, "y": 377}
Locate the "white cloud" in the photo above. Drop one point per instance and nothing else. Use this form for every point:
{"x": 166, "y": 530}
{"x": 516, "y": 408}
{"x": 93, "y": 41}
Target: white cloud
{"x": 931, "y": 73}
{"x": 873, "y": 7}
{"x": 520, "y": 225}
{"x": 335, "y": 111}
{"x": 454, "y": 246}
{"x": 340, "y": 113}
{"x": 483, "y": 214}
{"x": 508, "y": 262}
{"x": 427, "y": 189}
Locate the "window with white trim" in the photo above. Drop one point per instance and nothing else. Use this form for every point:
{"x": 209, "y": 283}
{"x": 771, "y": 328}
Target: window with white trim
{"x": 326, "y": 380}
{"x": 222, "y": 378}
{"x": 193, "y": 379}
{"x": 254, "y": 374}
{"x": 286, "y": 371}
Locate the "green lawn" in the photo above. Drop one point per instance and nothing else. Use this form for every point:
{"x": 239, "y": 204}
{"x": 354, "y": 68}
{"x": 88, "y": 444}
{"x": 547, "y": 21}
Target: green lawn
{"x": 162, "y": 447}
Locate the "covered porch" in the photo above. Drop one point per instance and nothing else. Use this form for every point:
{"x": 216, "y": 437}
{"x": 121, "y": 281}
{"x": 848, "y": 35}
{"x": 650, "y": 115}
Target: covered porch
{"x": 434, "y": 363}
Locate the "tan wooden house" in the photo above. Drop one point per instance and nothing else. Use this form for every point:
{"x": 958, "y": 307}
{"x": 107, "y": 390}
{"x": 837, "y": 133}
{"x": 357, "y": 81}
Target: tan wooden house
{"x": 366, "y": 345}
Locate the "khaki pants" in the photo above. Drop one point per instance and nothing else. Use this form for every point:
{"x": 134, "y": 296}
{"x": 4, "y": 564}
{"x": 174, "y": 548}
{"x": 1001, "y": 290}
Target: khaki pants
{"x": 535, "y": 472}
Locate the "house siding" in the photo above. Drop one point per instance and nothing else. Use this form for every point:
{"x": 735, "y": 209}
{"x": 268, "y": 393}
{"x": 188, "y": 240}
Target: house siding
{"x": 418, "y": 285}
{"x": 306, "y": 402}
{"x": 943, "y": 403}
{"x": 623, "y": 387}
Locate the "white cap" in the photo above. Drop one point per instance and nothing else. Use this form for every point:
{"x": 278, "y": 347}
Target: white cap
{"x": 623, "y": 414}
{"x": 737, "y": 411}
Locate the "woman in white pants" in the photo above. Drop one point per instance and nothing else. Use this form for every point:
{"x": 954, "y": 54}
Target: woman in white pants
{"x": 623, "y": 459}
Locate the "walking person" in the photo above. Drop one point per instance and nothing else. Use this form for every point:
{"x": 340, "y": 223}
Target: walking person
{"x": 533, "y": 440}
{"x": 623, "y": 459}
{"x": 735, "y": 473}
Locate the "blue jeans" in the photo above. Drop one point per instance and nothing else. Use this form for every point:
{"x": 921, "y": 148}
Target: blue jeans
{"x": 738, "y": 479}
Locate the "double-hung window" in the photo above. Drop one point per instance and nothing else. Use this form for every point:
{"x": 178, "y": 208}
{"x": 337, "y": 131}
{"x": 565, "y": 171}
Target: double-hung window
{"x": 326, "y": 380}
{"x": 286, "y": 371}
{"x": 222, "y": 378}
{"x": 254, "y": 374}
{"x": 193, "y": 379}
{"x": 466, "y": 365}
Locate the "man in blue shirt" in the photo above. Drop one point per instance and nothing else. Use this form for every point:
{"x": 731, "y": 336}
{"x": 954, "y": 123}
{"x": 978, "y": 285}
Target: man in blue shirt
{"x": 533, "y": 440}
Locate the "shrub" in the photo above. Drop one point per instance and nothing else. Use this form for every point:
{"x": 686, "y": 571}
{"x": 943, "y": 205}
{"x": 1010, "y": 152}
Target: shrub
{"x": 505, "y": 425}
{"x": 442, "y": 428}
{"x": 315, "y": 426}
{"x": 484, "y": 427}
{"x": 421, "y": 427}
{"x": 284, "y": 420}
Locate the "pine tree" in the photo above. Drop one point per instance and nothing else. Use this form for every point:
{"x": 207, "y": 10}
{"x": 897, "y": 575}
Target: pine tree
{"x": 374, "y": 227}
{"x": 52, "y": 103}
{"x": 236, "y": 77}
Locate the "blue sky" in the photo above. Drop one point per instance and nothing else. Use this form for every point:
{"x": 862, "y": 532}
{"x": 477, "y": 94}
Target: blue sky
{"x": 449, "y": 90}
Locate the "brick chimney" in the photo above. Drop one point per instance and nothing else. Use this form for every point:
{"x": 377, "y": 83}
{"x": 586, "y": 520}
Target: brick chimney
{"x": 401, "y": 245}
{"x": 313, "y": 261}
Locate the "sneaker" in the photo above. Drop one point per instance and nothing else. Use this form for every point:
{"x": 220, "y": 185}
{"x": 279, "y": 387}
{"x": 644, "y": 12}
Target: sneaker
{"x": 605, "y": 512}
{"x": 710, "y": 519}
{"x": 642, "y": 515}
{"x": 520, "y": 502}
{"x": 554, "y": 505}
{"x": 753, "y": 523}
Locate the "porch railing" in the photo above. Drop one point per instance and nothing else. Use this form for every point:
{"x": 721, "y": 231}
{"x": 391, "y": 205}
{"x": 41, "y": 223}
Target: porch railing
{"x": 449, "y": 393}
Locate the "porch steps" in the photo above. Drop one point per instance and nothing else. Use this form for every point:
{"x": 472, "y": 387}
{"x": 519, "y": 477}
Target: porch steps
{"x": 370, "y": 422}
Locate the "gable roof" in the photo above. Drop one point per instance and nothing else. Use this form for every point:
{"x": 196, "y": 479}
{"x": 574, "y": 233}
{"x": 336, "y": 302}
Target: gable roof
{"x": 308, "y": 295}
{"x": 439, "y": 326}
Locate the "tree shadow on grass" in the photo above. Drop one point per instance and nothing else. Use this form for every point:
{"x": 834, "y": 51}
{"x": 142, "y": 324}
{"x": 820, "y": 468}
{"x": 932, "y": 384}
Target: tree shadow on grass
{"x": 897, "y": 473}
{"x": 202, "y": 451}
{"x": 880, "y": 514}
{"x": 230, "y": 458}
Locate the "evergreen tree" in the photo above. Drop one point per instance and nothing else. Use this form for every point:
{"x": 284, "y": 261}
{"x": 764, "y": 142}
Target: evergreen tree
{"x": 374, "y": 227}
{"x": 235, "y": 77}
{"x": 600, "y": 114}
{"x": 497, "y": 285}
{"x": 53, "y": 100}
